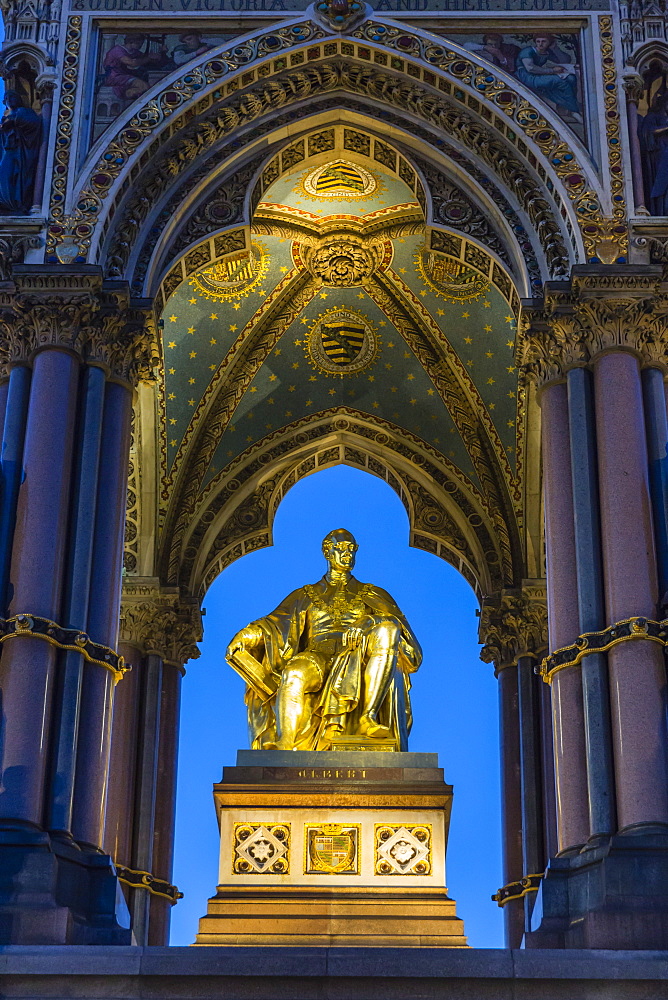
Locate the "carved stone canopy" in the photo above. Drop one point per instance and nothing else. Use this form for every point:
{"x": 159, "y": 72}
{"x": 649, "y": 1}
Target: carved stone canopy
{"x": 513, "y": 623}
{"x": 599, "y": 309}
{"x": 55, "y": 306}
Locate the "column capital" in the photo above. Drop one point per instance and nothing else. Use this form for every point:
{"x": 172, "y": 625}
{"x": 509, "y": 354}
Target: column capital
{"x": 159, "y": 620}
{"x": 54, "y": 305}
{"x": 601, "y": 308}
{"x": 634, "y": 86}
{"x": 513, "y": 623}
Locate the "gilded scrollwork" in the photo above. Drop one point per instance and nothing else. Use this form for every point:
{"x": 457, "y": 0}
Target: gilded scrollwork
{"x": 319, "y": 78}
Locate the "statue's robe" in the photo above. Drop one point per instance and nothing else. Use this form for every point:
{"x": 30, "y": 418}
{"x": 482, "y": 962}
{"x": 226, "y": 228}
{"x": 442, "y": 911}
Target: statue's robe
{"x": 312, "y": 621}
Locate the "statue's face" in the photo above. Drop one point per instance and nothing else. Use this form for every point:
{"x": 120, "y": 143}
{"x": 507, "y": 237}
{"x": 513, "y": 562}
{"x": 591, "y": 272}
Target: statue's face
{"x": 340, "y": 553}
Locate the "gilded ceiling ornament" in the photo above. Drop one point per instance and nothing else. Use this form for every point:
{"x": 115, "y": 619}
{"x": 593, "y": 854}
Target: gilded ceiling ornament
{"x": 343, "y": 261}
{"x": 450, "y": 278}
{"x": 342, "y": 342}
{"x": 340, "y": 180}
{"x": 235, "y": 276}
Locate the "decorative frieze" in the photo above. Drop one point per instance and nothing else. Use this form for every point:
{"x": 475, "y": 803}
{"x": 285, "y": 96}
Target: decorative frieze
{"x": 512, "y": 624}
{"x": 158, "y": 620}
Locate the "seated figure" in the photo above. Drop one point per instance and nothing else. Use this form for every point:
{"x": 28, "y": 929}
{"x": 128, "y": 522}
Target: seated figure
{"x": 332, "y": 660}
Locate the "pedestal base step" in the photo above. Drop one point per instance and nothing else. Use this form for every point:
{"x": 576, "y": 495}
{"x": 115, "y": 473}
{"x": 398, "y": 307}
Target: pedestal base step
{"x": 337, "y": 916}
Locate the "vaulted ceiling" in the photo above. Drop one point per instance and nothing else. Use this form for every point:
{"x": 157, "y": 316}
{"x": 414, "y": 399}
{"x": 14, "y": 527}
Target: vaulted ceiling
{"x": 340, "y": 298}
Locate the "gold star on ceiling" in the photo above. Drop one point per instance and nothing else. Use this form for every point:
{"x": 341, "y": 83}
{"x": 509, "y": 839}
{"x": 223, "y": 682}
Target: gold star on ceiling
{"x": 172, "y": 319}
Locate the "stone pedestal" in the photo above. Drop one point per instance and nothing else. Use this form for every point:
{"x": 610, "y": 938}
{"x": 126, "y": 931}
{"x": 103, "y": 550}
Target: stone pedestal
{"x": 332, "y": 848}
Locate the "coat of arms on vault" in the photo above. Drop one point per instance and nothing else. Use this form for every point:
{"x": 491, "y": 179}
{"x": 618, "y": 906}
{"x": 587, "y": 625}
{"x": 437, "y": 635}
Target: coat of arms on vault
{"x": 234, "y": 276}
{"x": 342, "y": 342}
{"x": 450, "y": 278}
{"x": 340, "y": 179}
{"x": 331, "y": 849}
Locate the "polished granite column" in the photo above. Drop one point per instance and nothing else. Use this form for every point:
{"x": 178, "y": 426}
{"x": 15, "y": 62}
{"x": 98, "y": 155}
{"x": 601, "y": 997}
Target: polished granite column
{"x": 563, "y": 619}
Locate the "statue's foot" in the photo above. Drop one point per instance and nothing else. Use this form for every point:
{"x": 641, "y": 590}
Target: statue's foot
{"x": 333, "y": 731}
{"x": 369, "y": 727}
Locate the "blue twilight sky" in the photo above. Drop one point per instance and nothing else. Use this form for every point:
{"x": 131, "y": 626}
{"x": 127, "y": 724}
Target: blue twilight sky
{"x": 454, "y": 695}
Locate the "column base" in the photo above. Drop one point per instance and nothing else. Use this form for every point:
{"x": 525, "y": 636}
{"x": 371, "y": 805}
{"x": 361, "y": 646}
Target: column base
{"x": 613, "y": 895}
{"x": 53, "y": 894}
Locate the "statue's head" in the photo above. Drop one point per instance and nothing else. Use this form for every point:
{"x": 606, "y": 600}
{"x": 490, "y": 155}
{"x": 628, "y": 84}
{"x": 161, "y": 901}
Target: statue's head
{"x": 12, "y": 99}
{"x": 339, "y": 548}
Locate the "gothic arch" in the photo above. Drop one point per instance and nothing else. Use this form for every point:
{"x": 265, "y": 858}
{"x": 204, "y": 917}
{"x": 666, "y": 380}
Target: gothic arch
{"x": 448, "y": 516}
{"x": 553, "y": 181}
{"x": 212, "y": 205}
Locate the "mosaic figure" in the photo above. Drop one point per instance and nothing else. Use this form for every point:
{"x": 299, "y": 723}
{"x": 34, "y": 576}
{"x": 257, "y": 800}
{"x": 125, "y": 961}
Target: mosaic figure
{"x": 20, "y": 138}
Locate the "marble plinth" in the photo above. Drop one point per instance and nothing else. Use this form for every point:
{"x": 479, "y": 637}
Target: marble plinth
{"x": 334, "y": 848}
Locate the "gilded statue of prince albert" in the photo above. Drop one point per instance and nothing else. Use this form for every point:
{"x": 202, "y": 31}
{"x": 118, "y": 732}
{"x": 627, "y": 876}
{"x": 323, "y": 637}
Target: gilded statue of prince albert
{"x": 330, "y": 663}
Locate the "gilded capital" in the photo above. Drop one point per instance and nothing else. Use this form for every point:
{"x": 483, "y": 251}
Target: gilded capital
{"x": 600, "y": 309}
{"x": 513, "y": 623}
{"x": 158, "y": 620}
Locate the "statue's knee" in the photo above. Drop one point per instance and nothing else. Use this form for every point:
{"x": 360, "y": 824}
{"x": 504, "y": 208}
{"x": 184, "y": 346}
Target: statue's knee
{"x": 294, "y": 676}
{"x": 388, "y": 630}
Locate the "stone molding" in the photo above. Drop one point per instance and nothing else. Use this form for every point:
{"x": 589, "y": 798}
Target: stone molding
{"x": 513, "y": 623}
{"x": 52, "y": 306}
{"x": 158, "y": 620}
{"x": 601, "y": 309}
